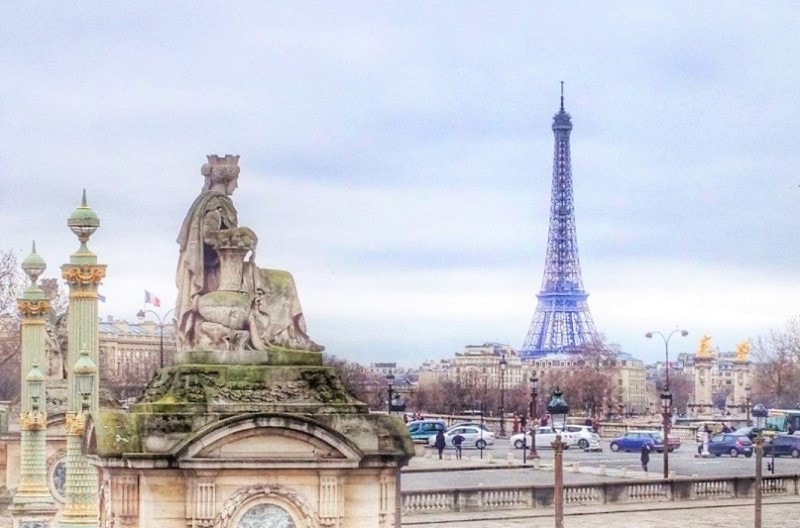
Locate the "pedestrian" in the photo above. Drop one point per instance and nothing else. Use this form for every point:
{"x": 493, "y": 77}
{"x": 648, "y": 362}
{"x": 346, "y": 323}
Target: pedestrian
{"x": 439, "y": 443}
{"x": 704, "y": 436}
{"x": 645, "y": 456}
{"x": 457, "y": 441}
{"x": 516, "y": 423}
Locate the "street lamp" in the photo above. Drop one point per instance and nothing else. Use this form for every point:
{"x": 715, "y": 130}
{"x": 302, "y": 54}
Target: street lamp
{"x": 85, "y": 371}
{"x": 558, "y": 410}
{"x": 666, "y": 413}
{"x": 534, "y": 393}
{"x": 760, "y": 419}
{"x": 747, "y": 392}
{"x": 503, "y": 365}
{"x": 161, "y": 320}
{"x": 390, "y": 390}
{"x": 649, "y": 335}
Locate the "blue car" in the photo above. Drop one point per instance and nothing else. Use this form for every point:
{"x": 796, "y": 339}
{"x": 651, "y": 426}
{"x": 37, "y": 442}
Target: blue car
{"x": 633, "y": 440}
{"x": 788, "y": 445}
{"x": 730, "y": 444}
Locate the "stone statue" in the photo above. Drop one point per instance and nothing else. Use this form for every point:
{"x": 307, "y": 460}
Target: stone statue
{"x": 742, "y": 351}
{"x": 705, "y": 347}
{"x": 55, "y": 344}
{"x": 226, "y": 302}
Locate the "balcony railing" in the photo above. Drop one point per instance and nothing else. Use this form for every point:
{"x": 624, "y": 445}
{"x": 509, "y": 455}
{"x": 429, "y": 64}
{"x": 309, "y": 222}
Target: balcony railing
{"x": 474, "y": 499}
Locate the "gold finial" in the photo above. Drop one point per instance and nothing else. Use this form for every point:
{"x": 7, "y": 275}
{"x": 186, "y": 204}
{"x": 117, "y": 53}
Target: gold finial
{"x": 705, "y": 347}
{"x": 742, "y": 351}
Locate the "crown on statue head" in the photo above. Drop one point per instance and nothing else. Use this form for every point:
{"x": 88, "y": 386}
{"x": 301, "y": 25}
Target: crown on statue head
{"x": 228, "y": 160}
{"x": 221, "y": 168}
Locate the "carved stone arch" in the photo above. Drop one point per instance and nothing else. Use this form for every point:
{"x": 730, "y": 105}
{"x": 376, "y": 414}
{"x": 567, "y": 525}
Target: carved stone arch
{"x": 334, "y": 442}
{"x": 245, "y": 498}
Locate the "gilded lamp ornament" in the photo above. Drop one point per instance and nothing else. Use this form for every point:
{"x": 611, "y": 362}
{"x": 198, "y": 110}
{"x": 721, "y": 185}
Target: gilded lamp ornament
{"x": 34, "y": 418}
{"x": 84, "y": 370}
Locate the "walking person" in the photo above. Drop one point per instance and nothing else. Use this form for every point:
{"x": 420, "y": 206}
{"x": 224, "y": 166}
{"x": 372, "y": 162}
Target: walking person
{"x": 457, "y": 441}
{"x": 439, "y": 443}
{"x": 645, "y": 456}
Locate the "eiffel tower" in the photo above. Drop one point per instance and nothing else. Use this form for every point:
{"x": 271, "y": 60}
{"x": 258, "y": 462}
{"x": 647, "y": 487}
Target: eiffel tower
{"x": 562, "y": 321}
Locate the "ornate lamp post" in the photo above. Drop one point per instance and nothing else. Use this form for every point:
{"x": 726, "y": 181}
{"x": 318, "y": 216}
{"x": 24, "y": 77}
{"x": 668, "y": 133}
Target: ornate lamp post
{"x": 534, "y": 394}
{"x": 760, "y": 418}
{"x": 503, "y": 365}
{"x": 390, "y": 390}
{"x": 666, "y": 414}
{"x": 161, "y": 321}
{"x": 558, "y": 409}
{"x": 747, "y": 392}
{"x": 666, "y": 339}
{"x": 84, "y": 371}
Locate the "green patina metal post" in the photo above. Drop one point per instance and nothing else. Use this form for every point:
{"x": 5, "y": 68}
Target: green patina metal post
{"x": 83, "y": 275}
{"x": 33, "y": 504}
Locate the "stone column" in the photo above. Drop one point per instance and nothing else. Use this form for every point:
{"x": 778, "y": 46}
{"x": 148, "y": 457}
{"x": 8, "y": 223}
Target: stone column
{"x": 83, "y": 275}
{"x": 702, "y": 384}
{"x": 741, "y": 377}
{"x": 33, "y": 504}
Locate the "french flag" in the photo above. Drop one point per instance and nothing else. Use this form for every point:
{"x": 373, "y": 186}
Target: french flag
{"x": 149, "y": 298}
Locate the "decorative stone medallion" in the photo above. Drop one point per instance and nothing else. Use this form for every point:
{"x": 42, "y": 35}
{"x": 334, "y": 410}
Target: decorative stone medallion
{"x": 266, "y": 516}
{"x": 57, "y": 476}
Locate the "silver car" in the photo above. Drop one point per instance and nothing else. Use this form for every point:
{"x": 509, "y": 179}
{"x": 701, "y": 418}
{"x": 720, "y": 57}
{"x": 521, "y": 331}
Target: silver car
{"x": 585, "y": 437}
{"x": 473, "y": 435}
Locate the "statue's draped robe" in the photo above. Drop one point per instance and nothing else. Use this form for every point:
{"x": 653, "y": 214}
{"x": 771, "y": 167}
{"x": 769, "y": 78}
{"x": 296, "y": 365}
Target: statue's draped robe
{"x": 198, "y": 265}
{"x": 276, "y": 314}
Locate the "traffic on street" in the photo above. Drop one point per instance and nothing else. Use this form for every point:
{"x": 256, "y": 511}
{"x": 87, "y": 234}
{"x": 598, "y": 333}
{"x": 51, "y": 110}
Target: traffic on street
{"x": 683, "y": 461}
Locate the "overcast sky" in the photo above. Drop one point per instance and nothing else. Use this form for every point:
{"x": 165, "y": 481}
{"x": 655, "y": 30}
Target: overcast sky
{"x": 397, "y": 156}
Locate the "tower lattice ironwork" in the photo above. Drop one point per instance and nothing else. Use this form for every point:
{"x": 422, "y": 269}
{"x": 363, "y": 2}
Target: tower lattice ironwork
{"x": 562, "y": 321}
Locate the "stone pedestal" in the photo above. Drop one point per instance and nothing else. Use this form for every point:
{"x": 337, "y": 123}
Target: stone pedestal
{"x": 226, "y": 445}
{"x": 703, "y": 395}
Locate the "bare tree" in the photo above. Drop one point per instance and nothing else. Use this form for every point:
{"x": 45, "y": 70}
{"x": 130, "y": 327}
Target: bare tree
{"x": 364, "y": 385}
{"x": 777, "y": 367}
{"x": 10, "y": 286}
{"x": 682, "y": 387}
{"x": 595, "y": 378}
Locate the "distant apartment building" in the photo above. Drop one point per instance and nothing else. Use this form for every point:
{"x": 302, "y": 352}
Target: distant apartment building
{"x": 480, "y": 366}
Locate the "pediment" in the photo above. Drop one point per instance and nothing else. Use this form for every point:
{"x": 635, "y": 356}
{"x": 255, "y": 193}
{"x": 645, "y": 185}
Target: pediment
{"x": 270, "y": 444}
{"x": 268, "y": 441}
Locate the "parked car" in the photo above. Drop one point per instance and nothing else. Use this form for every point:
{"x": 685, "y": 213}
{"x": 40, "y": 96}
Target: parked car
{"x": 474, "y": 424}
{"x": 673, "y": 442}
{"x": 730, "y": 444}
{"x": 473, "y": 436}
{"x": 421, "y": 430}
{"x": 632, "y": 441}
{"x": 585, "y": 437}
{"x": 788, "y": 445}
{"x": 545, "y": 436}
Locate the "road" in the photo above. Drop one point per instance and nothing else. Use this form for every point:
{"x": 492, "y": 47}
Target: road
{"x": 682, "y": 462}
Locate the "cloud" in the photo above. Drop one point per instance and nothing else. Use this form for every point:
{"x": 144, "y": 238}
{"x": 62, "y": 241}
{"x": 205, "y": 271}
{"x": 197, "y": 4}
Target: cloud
{"x": 397, "y": 157}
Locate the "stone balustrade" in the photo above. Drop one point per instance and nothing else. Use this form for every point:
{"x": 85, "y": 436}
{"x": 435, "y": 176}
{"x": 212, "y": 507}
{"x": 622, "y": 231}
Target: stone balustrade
{"x": 483, "y": 498}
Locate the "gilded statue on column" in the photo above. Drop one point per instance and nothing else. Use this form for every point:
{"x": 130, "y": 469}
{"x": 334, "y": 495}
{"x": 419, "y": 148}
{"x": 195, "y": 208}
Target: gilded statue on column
{"x": 743, "y": 351}
{"x": 705, "y": 347}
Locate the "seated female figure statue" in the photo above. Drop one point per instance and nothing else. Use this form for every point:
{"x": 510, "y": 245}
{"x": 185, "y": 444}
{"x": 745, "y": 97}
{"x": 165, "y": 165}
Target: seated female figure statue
{"x": 225, "y": 302}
